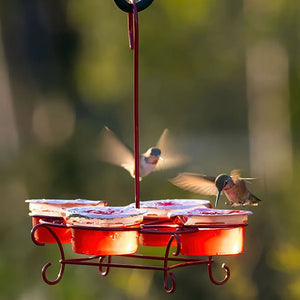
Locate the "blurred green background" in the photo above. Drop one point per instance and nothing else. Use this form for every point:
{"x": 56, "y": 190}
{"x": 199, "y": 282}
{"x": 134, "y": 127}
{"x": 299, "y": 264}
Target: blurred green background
{"x": 222, "y": 75}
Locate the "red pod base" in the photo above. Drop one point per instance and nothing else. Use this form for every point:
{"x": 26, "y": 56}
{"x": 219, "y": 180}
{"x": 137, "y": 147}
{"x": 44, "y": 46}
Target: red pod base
{"x": 104, "y": 242}
{"x": 211, "y": 242}
{"x": 157, "y": 239}
{"x": 43, "y": 235}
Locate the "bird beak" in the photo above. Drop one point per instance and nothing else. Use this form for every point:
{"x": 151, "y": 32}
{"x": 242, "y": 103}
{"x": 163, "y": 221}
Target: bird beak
{"x": 217, "y": 199}
{"x": 160, "y": 157}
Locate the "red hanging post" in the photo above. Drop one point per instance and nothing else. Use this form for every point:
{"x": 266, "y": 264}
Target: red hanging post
{"x": 133, "y": 34}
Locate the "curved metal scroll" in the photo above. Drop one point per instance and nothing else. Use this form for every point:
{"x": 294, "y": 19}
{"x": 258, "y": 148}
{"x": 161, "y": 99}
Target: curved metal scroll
{"x": 46, "y": 266}
{"x": 172, "y": 288}
{"x": 101, "y": 271}
{"x": 127, "y": 7}
{"x": 211, "y": 276}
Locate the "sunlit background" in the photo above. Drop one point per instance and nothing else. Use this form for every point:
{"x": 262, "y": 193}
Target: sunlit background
{"x": 222, "y": 75}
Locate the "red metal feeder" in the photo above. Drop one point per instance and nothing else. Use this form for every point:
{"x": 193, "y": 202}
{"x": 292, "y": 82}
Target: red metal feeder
{"x": 104, "y": 230}
{"x": 189, "y": 225}
{"x": 219, "y": 232}
{"x": 50, "y": 211}
{"x": 158, "y": 214}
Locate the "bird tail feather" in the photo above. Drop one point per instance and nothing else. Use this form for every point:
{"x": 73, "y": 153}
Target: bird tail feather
{"x": 253, "y": 200}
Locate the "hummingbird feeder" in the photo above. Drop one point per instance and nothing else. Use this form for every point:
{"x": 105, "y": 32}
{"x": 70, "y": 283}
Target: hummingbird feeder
{"x": 103, "y": 232}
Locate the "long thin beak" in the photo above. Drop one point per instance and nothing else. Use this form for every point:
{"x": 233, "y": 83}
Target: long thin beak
{"x": 217, "y": 199}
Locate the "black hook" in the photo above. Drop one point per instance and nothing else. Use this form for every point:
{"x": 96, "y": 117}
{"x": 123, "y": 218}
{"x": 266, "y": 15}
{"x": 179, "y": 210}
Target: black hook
{"x": 127, "y": 7}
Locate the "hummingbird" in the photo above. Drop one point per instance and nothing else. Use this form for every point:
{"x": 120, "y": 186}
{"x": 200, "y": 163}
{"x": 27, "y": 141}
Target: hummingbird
{"x": 112, "y": 150}
{"x": 233, "y": 186}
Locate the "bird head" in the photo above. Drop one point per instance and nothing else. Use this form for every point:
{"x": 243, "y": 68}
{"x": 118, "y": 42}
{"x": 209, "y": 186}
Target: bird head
{"x": 222, "y": 182}
{"x": 153, "y": 155}
{"x": 156, "y": 152}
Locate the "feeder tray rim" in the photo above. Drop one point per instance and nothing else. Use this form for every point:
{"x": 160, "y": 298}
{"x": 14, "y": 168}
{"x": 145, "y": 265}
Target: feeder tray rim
{"x": 145, "y": 228}
{"x": 31, "y": 214}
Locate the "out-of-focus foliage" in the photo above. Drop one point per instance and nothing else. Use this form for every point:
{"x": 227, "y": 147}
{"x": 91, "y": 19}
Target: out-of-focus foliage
{"x": 222, "y": 75}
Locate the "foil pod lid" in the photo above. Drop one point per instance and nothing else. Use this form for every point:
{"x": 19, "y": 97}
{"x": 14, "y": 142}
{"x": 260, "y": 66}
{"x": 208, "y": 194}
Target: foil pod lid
{"x": 201, "y": 216}
{"x": 161, "y": 208}
{"x": 52, "y": 207}
{"x": 109, "y": 216}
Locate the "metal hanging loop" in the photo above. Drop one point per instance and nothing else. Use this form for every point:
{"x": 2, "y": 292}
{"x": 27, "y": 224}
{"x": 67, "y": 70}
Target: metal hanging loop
{"x": 127, "y": 7}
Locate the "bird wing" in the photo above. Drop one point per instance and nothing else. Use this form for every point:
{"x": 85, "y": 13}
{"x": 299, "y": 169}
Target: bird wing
{"x": 169, "y": 152}
{"x": 197, "y": 183}
{"x": 236, "y": 176}
{"x": 112, "y": 150}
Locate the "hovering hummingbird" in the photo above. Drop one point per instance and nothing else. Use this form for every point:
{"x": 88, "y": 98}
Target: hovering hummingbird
{"x": 233, "y": 186}
{"x": 112, "y": 150}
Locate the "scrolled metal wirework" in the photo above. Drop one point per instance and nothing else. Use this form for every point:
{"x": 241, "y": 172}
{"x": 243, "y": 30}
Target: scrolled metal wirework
{"x": 226, "y": 268}
{"x": 58, "y": 278}
{"x": 101, "y": 259}
{"x": 170, "y": 289}
{"x": 178, "y": 244}
{"x": 33, "y": 230}
{"x": 47, "y": 265}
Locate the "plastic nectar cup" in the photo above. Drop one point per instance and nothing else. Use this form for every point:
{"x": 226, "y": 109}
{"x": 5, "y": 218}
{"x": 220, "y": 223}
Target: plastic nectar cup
{"x": 211, "y": 242}
{"x": 93, "y": 240}
{"x": 43, "y": 235}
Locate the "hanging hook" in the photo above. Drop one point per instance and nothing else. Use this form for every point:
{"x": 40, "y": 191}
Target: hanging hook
{"x": 127, "y": 7}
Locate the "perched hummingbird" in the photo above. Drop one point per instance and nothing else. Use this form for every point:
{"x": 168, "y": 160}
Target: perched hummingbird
{"x": 233, "y": 186}
{"x": 112, "y": 150}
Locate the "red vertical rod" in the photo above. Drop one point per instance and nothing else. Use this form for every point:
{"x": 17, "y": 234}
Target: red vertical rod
{"x": 135, "y": 39}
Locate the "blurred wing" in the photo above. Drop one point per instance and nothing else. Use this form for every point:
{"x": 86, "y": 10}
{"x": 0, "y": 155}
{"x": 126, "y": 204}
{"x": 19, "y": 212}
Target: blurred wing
{"x": 112, "y": 150}
{"x": 169, "y": 153}
{"x": 236, "y": 176}
{"x": 196, "y": 183}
